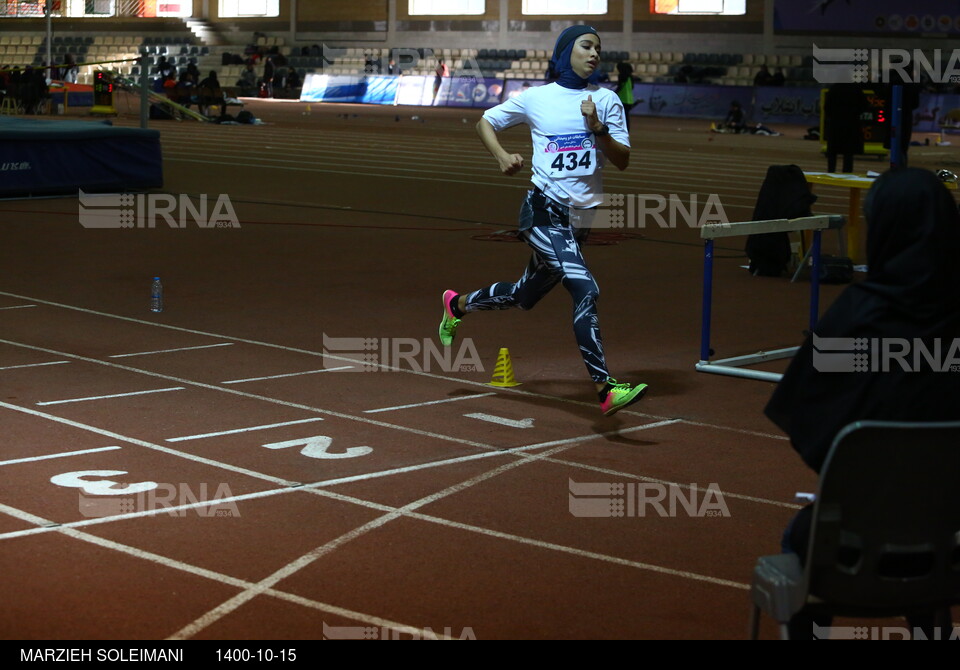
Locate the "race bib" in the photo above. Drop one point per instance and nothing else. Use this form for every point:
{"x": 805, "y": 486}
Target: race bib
{"x": 569, "y": 156}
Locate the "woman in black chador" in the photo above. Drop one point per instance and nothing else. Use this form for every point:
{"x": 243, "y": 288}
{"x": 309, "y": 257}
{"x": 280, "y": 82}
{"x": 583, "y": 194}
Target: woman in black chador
{"x": 911, "y": 293}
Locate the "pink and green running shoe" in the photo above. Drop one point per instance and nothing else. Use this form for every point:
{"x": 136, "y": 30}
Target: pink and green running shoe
{"x": 620, "y": 396}
{"x": 449, "y": 323}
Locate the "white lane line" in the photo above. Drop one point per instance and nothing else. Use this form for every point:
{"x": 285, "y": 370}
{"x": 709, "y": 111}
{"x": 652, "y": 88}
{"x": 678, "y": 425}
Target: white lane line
{"x": 210, "y": 574}
{"x": 513, "y": 451}
{"x": 167, "y": 351}
{"x": 409, "y": 510}
{"x": 741, "y": 431}
{"x": 313, "y": 487}
{"x": 18, "y": 307}
{"x": 140, "y": 514}
{"x": 512, "y": 423}
{"x": 288, "y": 374}
{"x": 240, "y": 430}
{"x": 305, "y": 560}
{"x": 65, "y": 454}
{"x": 264, "y": 587}
{"x": 32, "y": 365}
{"x": 583, "y": 553}
{"x": 255, "y": 396}
{"x": 520, "y": 539}
{"x": 148, "y": 445}
{"x": 429, "y": 402}
{"x": 113, "y": 395}
{"x": 281, "y": 347}
{"x": 666, "y": 482}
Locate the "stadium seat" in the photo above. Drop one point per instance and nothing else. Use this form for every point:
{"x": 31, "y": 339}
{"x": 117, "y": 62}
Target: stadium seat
{"x": 882, "y": 534}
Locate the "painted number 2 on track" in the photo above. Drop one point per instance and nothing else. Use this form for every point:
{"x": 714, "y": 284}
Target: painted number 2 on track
{"x": 319, "y": 447}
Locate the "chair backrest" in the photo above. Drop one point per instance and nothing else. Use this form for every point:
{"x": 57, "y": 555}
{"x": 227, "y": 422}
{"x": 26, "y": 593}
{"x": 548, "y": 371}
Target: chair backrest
{"x": 886, "y": 524}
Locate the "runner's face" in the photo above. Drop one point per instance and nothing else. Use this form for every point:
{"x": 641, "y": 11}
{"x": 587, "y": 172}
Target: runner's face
{"x": 585, "y": 57}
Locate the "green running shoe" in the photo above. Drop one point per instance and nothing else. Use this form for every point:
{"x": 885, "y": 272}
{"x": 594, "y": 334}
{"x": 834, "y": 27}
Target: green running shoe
{"x": 449, "y": 323}
{"x": 620, "y": 396}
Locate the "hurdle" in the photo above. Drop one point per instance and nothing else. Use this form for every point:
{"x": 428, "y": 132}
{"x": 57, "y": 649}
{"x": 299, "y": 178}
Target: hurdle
{"x": 712, "y": 231}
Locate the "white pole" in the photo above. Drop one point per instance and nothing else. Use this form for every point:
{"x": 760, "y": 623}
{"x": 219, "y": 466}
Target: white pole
{"x": 46, "y": 10}
{"x": 293, "y": 21}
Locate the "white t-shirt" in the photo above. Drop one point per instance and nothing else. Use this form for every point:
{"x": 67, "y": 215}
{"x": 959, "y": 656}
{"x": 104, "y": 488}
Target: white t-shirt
{"x": 566, "y": 162}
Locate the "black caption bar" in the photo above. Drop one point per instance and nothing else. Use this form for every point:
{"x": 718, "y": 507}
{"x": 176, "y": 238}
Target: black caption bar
{"x": 284, "y": 653}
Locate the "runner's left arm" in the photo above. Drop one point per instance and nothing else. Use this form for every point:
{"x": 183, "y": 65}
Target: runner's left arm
{"x": 616, "y": 153}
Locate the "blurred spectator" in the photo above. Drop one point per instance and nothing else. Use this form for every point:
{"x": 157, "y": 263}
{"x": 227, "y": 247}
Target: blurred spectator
{"x": 763, "y": 77}
{"x": 294, "y": 83}
{"x": 625, "y": 89}
{"x": 280, "y": 75}
{"x": 736, "y": 120}
{"x": 28, "y": 90}
{"x": 185, "y": 91}
{"x": 843, "y": 108}
{"x": 194, "y": 71}
{"x": 69, "y": 70}
{"x": 166, "y": 69}
{"x": 248, "y": 81}
{"x": 209, "y": 94}
{"x": 269, "y": 72}
{"x": 5, "y": 88}
{"x": 910, "y": 100}
{"x": 778, "y": 78}
{"x": 440, "y": 72}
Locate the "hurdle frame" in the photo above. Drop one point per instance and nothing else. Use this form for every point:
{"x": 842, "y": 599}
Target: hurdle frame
{"x": 709, "y": 232}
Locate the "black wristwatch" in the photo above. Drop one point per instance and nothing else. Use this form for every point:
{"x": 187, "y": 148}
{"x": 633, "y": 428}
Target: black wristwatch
{"x": 605, "y": 130}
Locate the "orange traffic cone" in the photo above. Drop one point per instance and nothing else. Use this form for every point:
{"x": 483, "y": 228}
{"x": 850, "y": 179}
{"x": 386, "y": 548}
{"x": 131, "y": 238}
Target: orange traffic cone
{"x": 503, "y": 373}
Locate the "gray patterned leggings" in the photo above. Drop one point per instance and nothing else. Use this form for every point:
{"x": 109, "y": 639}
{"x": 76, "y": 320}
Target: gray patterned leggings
{"x": 556, "y": 258}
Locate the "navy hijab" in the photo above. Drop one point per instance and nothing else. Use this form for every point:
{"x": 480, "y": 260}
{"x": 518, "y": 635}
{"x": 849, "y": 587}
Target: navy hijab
{"x": 560, "y": 63}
